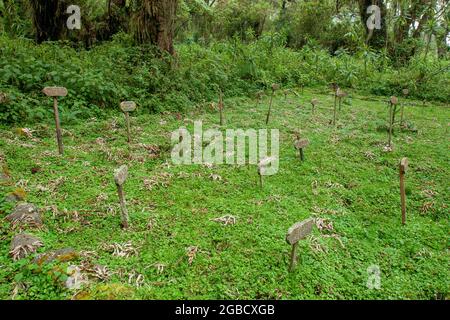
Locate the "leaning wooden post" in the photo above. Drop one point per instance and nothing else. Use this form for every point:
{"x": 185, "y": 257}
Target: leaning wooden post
{"x": 275, "y": 87}
{"x": 221, "y": 106}
{"x": 56, "y": 92}
{"x": 403, "y": 168}
{"x": 120, "y": 176}
{"x": 297, "y": 232}
{"x": 300, "y": 144}
{"x": 314, "y": 103}
{"x": 405, "y": 93}
{"x": 127, "y": 107}
{"x": 392, "y": 108}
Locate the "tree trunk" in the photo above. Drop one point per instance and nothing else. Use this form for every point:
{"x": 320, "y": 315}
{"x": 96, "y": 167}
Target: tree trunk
{"x": 378, "y": 37}
{"x": 155, "y": 21}
{"x": 48, "y": 19}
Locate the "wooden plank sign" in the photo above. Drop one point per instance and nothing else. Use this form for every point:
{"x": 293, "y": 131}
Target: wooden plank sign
{"x": 394, "y": 100}
{"x": 300, "y": 145}
{"x": 297, "y": 232}
{"x": 120, "y": 176}
{"x": 403, "y": 168}
{"x": 128, "y": 106}
{"x": 55, "y": 91}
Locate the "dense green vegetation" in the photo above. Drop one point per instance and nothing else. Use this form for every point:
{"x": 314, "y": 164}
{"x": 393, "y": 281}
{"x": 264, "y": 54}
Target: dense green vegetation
{"x": 210, "y": 231}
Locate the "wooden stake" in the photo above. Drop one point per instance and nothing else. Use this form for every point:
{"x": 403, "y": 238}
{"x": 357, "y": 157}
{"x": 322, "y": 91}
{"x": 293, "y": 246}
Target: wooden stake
{"x": 402, "y": 169}
{"x": 127, "y": 120}
{"x": 275, "y": 87}
{"x": 293, "y": 262}
{"x": 120, "y": 176}
{"x": 58, "y": 126}
{"x": 56, "y": 92}
{"x": 222, "y": 122}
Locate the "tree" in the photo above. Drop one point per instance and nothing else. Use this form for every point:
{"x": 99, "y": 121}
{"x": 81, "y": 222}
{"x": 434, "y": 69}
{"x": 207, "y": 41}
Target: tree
{"x": 153, "y": 22}
{"x": 48, "y": 19}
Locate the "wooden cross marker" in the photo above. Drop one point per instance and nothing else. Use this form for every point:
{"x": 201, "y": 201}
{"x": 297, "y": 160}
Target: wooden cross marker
{"x": 127, "y": 107}
{"x": 300, "y": 144}
{"x": 275, "y": 87}
{"x": 392, "y": 110}
{"x": 403, "y": 168}
{"x": 56, "y": 92}
{"x": 297, "y": 232}
{"x": 120, "y": 176}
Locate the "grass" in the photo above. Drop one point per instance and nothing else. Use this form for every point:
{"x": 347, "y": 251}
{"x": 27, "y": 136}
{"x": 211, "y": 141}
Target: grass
{"x": 348, "y": 180}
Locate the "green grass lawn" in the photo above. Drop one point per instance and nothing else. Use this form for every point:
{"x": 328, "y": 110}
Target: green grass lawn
{"x": 347, "y": 179}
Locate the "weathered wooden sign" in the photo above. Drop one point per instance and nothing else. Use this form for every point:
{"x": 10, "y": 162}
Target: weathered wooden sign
{"x": 393, "y": 101}
{"x": 262, "y": 167}
{"x": 300, "y": 145}
{"x": 297, "y": 232}
{"x": 120, "y": 176}
{"x": 56, "y": 92}
{"x": 127, "y": 107}
{"x": 403, "y": 168}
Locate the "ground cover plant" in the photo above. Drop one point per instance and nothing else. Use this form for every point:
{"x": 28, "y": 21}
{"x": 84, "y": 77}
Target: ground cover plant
{"x": 210, "y": 231}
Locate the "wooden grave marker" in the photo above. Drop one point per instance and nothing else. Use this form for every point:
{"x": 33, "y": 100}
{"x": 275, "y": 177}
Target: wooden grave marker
{"x": 299, "y": 145}
{"x": 56, "y": 92}
{"x": 393, "y": 102}
{"x": 221, "y": 107}
{"x": 275, "y": 87}
{"x": 120, "y": 176}
{"x": 403, "y": 168}
{"x": 297, "y": 232}
{"x": 262, "y": 167}
{"x": 314, "y": 103}
{"x": 127, "y": 107}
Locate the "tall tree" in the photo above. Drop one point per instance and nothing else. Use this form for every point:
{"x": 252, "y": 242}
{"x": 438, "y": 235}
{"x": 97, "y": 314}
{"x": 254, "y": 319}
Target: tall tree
{"x": 48, "y": 19}
{"x": 153, "y": 21}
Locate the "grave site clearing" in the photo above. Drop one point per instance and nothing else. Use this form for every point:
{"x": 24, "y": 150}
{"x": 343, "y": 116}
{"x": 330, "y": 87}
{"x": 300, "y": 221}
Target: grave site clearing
{"x": 212, "y": 232}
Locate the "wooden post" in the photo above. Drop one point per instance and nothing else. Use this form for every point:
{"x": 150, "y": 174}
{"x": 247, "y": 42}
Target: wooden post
{"x": 274, "y": 88}
{"x": 127, "y": 107}
{"x": 314, "y": 102}
{"x": 392, "y": 107}
{"x": 222, "y": 122}
{"x": 120, "y": 176}
{"x": 403, "y": 168}
{"x": 262, "y": 168}
{"x": 297, "y": 232}
{"x": 56, "y": 92}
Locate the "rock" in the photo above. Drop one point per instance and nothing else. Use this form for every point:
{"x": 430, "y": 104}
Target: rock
{"x": 23, "y": 245}
{"x": 61, "y": 255}
{"x": 25, "y": 214}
